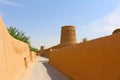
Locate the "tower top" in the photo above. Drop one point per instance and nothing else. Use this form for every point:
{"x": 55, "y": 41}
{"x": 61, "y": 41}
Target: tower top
{"x": 68, "y": 26}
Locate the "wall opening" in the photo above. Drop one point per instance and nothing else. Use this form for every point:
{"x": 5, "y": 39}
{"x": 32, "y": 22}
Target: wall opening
{"x": 25, "y": 61}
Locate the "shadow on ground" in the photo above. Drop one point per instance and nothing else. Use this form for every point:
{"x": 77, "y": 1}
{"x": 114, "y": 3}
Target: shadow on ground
{"x": 54, "y": 73}
{"x": 43, "y": 61}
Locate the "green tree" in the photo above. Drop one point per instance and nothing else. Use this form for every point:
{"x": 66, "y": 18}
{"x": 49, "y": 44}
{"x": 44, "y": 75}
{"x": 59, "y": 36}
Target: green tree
{"x": 84, "y": 40}
{"x": 20, "y": 35}
{"x": 33, "y": 49}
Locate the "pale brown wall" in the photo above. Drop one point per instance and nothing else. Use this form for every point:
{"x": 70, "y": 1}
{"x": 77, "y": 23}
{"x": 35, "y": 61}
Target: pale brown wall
{"x": 12, "y": 54}
{"x": 98, "y": 59}
{"x": 32, "y": 56}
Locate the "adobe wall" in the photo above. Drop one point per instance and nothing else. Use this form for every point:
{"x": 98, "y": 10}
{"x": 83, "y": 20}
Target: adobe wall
{"x": 32, "y": 56}
{"x": 14, "y": 55}
{"x": 97, "y": 59}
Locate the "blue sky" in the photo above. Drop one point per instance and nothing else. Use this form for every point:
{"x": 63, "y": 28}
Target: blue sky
{"x": 42, "y": 19}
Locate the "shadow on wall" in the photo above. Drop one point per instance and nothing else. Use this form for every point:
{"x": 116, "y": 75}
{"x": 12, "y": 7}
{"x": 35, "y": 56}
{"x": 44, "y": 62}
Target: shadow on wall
{"x": 25, "y": 61}
{"x": 54, "y": 73}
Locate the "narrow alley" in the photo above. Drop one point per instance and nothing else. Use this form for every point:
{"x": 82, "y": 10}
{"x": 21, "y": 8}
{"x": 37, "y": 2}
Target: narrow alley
{"x": 41, "y": 70}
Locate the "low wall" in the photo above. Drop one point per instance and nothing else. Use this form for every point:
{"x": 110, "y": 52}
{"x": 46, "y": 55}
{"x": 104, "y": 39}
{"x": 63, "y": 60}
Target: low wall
{"x": 14, "y": 55}
{"x": 97, "y": 59}
{"x": 32, "y": 56}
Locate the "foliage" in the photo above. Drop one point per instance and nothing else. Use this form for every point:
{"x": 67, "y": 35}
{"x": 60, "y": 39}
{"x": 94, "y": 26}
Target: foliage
{"x": 84, "y": 40}
{"x": 33, "y": 49}
{"x": 19, "y": 35}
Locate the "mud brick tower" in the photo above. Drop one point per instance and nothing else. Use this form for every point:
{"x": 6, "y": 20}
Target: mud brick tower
{"x": 68, "y": 35}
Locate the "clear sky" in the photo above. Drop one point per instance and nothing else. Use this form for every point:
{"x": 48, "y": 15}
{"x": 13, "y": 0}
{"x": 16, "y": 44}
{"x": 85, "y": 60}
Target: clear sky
{"x": 42, "y": 19}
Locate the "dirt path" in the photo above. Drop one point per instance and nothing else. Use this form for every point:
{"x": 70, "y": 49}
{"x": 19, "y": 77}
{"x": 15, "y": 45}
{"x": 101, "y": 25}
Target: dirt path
{"x": 41, "y": 70}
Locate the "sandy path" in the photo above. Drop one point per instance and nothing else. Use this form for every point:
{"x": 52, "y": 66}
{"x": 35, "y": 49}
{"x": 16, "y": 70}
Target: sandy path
{"x": 41, "y": 70}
